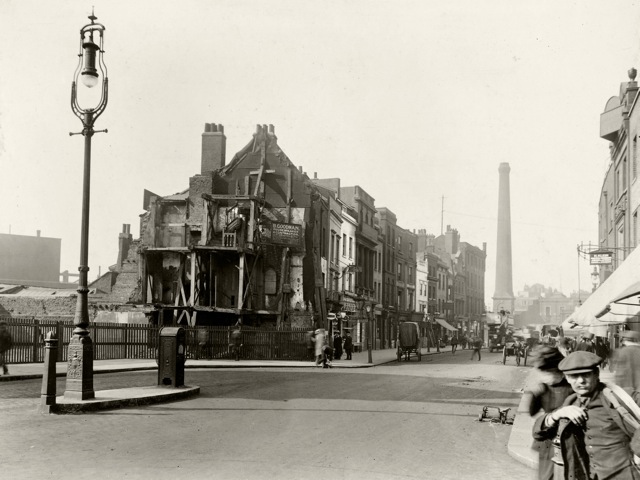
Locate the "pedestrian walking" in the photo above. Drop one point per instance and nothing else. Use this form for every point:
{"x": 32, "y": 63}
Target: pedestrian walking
{"x": 236, "y": 342}
{"x": 327, "y": 356}
{"x": 546, "y": 392}
{"x": 348, "y": 345}
{"x": 6, "y": 342}
{"x": 626, "y": 364}
{"x": 337, "y": 345}
{"x": 476, "y": 344}
{"x": 603, "y": 351}
{"x": 593, "y": 437}
{"x": 310, "y": 342}
{"x": 319, "y": 337}
{"x": 454, "y": 344}
{"x": 586, "y": 344}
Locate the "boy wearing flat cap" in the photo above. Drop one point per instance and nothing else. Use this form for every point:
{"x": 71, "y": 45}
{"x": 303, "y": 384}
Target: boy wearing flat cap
{"x": 591, "y": 437}
{"x": 627, "y": 364}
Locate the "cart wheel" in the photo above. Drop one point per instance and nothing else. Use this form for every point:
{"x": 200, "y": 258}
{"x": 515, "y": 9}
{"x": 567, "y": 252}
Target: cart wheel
{"x": 399, "y": 354}
{"x": 518, "y": 357}
{"x": 504, "y": 355}
{"x": 526, "y": 355}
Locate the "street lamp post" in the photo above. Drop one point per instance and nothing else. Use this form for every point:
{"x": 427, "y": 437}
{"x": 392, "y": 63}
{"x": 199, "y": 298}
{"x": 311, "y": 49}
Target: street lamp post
{"x": 91, "y": 70}
{"x": 369, "y": 334}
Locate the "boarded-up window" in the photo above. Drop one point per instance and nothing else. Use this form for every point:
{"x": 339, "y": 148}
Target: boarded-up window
{"x": 270, "y": 287}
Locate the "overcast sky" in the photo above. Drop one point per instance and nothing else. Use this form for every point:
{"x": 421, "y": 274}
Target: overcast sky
{"x": 411, "y": 100}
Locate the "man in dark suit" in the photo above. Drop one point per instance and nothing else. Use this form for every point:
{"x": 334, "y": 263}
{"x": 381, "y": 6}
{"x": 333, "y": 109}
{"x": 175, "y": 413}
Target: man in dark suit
{"x": 591, "y": 436}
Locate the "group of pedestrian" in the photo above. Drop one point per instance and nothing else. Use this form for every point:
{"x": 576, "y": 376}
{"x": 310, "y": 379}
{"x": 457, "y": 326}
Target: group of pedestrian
{"x": 324, "y": 352}
{"x": 589, "y": 429}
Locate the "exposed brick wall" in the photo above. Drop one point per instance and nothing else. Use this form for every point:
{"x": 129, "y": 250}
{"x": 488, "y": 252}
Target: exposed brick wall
{"x": 127, "y": 285}
{"x": 38, "y": 306}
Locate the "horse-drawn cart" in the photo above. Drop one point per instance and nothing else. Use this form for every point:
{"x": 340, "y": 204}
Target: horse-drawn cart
{"x": 409, "y": 341}
{"x": 516, "y": 347}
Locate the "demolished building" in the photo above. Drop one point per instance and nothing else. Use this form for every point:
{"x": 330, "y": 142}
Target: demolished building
{"x": 241, "y": 244}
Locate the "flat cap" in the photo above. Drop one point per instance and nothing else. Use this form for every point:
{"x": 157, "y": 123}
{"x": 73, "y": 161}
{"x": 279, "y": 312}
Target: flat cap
{"x": 580, "y": 362}
{"x": 631, "y": 335}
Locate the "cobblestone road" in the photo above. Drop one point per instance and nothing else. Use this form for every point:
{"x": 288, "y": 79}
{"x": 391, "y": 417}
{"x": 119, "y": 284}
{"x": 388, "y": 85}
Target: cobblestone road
{"x": 400, "y": 421}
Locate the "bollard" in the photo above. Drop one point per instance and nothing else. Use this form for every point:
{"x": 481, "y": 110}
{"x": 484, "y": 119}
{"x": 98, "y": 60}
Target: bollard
{"x": 48, "y": 391}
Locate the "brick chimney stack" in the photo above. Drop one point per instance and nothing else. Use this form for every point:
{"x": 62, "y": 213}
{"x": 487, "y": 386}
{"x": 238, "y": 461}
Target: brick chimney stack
{"x": 503, "y": 297}
{"x": 214, "y": 147}
{"x": 124, "y": 242}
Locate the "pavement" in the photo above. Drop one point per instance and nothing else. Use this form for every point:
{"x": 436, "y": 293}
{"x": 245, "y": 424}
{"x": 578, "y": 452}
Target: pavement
{"x": 519, "y": 445}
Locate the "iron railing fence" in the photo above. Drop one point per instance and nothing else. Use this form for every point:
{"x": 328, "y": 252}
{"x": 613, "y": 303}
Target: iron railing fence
{"x": 139, "y": 341}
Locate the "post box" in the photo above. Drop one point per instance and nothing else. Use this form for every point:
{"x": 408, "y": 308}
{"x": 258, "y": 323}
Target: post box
{"x": 171, "y": 357}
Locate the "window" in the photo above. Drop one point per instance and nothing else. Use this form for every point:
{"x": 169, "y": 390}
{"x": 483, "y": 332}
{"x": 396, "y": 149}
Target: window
{"x": 399, "y": 271}
{"x": 350, "y": 247}
{"x": 344, "y": 245}
{"x": 410, "y": 276}
{"x": 332, "y": 254}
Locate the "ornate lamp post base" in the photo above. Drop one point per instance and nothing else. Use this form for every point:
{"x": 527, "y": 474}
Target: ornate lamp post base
{"x": 80, "y": 369}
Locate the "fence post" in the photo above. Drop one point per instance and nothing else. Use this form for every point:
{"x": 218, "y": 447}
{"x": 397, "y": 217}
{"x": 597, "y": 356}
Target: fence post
{"x": 60, "y": 336}
{"x": 35, "y": 340}
{"x": 126, "y": 340}
{"x": 48, "y": 391}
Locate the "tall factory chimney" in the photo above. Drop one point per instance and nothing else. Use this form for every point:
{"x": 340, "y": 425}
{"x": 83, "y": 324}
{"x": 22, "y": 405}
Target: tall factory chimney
{"x": 503, "y": 298}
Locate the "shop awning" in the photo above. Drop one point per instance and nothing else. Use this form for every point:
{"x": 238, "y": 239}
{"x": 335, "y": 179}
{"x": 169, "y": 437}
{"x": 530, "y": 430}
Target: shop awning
{"x": 610, "y": 304}
{"x": 446, "y": 325}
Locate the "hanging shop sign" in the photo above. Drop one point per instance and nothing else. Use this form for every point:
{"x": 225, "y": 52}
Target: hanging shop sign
{"x": 601, "y": 257}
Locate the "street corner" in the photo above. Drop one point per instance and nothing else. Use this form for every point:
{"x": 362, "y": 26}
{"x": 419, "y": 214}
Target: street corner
{"x": 121, "y": 398}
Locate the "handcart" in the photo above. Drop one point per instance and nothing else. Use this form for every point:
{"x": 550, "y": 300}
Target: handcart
{"x": 409, "y": 341}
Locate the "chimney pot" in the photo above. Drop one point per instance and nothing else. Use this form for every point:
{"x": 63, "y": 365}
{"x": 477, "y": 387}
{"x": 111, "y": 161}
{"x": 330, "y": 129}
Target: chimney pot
{"x": 258, "y": 129}
{"x": 315, "y": 175}
{"x": 300, "y": 168}
{"x": 38, "y": 233}
{"x": 221, "y": 128}
{"x": 214, "y": 127}
{"x": 272, "y": 129}
{"x": 207, "y": 127}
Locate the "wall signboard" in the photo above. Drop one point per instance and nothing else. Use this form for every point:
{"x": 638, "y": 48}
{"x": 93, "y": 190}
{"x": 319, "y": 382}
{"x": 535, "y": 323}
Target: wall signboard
{"x": 285, "y": 234}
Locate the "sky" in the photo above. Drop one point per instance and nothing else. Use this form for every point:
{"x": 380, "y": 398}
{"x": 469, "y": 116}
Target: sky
{"x": 412, "y": 100}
